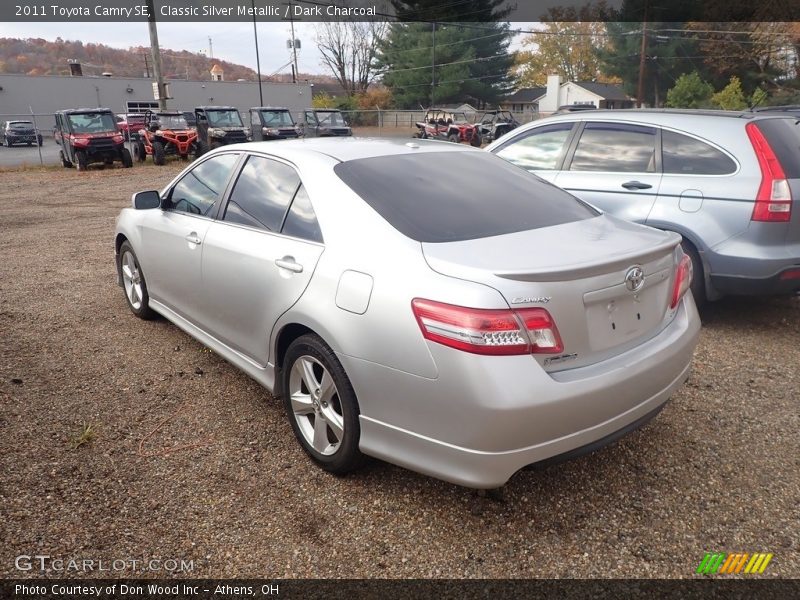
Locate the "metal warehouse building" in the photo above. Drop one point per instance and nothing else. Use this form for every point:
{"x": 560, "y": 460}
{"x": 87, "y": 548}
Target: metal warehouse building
{"x": 21, "y": 94}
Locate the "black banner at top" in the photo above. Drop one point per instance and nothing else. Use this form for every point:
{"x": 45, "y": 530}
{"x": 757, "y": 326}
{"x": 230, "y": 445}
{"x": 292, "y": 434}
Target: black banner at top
{"x": 394, "y": 10}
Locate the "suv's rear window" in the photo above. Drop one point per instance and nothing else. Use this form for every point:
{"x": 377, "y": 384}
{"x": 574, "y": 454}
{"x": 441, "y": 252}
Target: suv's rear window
{"x": 783, "y": 136}
{"x": 453, "y": 196}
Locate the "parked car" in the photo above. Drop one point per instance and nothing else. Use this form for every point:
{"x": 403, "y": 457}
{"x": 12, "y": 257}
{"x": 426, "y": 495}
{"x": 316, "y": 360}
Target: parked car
{"x": 494, "y": 124}
{"x": 323, "y": 122}
{"x": 219, "y": 126}
{"x": 129, "y": 125}
{"x": 443, "y": 124}
{"x": 165, "y": 133}
{"x": 272, "y": 123}
{"x": 461, "y": 335}
{"x": 89, "y": 135}
{"x": 20, "y": 132}
{"x": 191, "y": 119}
{"x": 728, "y": 182}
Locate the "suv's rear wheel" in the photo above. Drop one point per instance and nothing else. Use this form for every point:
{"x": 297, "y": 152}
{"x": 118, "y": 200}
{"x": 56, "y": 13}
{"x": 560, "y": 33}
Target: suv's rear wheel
{"x": 698, "y": 276}
{"x": 321, "y": 405}
{"x": 159, "y": 156}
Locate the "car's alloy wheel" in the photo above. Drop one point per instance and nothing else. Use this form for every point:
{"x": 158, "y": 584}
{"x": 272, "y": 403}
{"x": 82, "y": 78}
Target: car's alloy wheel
{"x": 134, "y": 283}
{"x": 322, "y": 405}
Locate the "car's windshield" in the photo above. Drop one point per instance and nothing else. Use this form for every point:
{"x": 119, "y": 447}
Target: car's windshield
{"x": 277, "y": 118}
{"x": 224, "y": 118}
{"x": 172, "y": 121}
{"x": 92, "y": 122}
{"x": 459, "y": 117}
{"x": 21, "y": 125}
{"x": 328, "y": 118}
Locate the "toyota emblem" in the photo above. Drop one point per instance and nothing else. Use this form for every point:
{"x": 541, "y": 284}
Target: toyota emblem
{"x": 634, "y": 279}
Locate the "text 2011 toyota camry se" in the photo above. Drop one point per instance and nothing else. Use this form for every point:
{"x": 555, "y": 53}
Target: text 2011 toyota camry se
{"x": 463, "y": 327}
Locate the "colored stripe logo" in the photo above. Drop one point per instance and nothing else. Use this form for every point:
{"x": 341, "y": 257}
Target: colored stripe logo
{"x": 716, "y": 563}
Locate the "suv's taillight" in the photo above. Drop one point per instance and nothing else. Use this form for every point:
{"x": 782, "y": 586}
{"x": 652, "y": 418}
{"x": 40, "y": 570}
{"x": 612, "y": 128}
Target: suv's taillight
{"x": 774, "y": 199}
{"x": 486, "y": 331}
{"x": 683, "y": 280}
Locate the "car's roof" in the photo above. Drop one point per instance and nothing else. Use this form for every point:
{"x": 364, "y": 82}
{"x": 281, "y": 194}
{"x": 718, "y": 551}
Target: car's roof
{"x": 345, "y": 149}
{"x": 635, "y": 114}
{"x": 270, "y": 108}
{"x": 83, "y": 111}
{"x": 216, "y": 108}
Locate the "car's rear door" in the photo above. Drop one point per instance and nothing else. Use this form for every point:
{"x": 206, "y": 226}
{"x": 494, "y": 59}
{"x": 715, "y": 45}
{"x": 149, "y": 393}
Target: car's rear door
{"x": 259, "y": 256}
{"x": 615, "y": 167}
{"x": 172, "y": 238}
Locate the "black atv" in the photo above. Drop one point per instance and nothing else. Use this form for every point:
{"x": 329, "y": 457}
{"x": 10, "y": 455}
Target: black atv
{"x": 495, "y": 124}
{"x": 219, "y": 126}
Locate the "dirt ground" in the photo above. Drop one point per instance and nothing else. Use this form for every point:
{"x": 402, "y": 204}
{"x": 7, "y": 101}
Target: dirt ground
{"x": 126, "y": 440}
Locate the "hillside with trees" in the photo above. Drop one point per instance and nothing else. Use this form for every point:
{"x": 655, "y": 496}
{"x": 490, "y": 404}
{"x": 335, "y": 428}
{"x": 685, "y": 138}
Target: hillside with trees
{"x": 41, "y": 57}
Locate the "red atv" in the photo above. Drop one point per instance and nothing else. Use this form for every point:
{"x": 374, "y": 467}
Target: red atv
{"x": 443, "y": 124}
{"x": 165, "y": 134}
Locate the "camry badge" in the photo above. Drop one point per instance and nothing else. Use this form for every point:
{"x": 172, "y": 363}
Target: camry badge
{"x": 634, "y": 279}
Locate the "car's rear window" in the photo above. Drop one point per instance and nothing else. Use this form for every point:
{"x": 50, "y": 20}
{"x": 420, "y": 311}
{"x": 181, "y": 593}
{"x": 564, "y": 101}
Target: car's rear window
{"x": 783, "y": 136}
{"x": 454, "y": 196}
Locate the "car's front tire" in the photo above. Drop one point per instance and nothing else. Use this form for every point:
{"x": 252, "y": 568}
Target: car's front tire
{"x": 134, "y": 283}
{"x": 159, "y": 155}
{"x": 127, "y": 160}
{"x": 81, "y": 160}
{"x": 321, "y": 405}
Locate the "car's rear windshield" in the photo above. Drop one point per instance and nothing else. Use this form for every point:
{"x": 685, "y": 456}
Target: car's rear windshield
{"x": 783, "y": 136}
{"x": 20, "y": 125}
{"x": 454, "y": 196}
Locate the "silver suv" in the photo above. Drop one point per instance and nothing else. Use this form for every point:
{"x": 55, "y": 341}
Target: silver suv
{"x": 728, "y": 182}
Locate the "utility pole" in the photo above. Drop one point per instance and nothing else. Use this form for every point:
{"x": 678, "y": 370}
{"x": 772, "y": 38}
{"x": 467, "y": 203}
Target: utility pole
{"x": 642, "y": 58}
{"x": 294, "y": 45}
{"x": 156, "y": 55}
{"x": 258, "y": 59}
{"x": 433, "y": 65}
{"x": 210, "y": 49}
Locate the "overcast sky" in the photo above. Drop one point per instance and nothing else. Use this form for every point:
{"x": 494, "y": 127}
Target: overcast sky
{"x": 231, "y": 41}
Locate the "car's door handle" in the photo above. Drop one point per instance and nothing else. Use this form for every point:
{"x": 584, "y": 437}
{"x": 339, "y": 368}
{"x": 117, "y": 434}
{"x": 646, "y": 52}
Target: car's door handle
{"x": 288, "y": 263}
{"x": 193, "y": 238}
{"x": 636, "y": 185}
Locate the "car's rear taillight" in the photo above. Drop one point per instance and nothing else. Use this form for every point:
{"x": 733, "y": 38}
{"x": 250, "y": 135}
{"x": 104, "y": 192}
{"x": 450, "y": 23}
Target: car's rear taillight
{"x": 683, "y": 280}
{"x": 488, "y": 331}
{"x": 774, "y": 199}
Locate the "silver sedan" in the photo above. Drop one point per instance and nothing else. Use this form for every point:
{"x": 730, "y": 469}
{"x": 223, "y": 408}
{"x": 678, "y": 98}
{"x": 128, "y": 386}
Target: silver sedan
{"x": 424, "y": 303}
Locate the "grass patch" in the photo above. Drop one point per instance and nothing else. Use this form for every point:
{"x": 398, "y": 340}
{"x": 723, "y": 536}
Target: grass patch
{"x": 83, "y": 437}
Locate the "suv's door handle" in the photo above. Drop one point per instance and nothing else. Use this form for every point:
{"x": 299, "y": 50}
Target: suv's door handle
{"x": 288, "y": 263}
{"x": 193, "y": 238}
{"x": 636, "y": 185}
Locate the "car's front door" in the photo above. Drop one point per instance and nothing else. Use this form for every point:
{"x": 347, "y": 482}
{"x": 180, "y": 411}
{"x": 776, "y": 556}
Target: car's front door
{"x": 259, "y": 256}
{"x": 540, "y": 150}
{"x": 172, "y": 238}
{"x": 614, "y": 167}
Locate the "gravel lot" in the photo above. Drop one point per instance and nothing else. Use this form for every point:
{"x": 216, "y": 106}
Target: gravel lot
{"x": 719, "y": 470}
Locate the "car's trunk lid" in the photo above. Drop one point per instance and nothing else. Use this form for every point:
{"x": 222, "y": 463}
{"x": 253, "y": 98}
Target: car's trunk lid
{"x": 577, "y": 271}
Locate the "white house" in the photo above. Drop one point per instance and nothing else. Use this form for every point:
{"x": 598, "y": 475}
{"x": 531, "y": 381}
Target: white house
{"x": 557, "y": 94}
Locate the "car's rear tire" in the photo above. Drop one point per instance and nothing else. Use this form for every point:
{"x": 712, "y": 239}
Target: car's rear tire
{"x": 698, "y": 286}
{"x": 127, "y": 160}
{"x": 453, "y": 137}
{"x": 134, "y": 283}
{"x": 81, "y": 160}
{"x": 139, "y": 151}
{"x": 475, "y": 141}
{"x": 159, "y": 156}
{"x": 321, "y": 405}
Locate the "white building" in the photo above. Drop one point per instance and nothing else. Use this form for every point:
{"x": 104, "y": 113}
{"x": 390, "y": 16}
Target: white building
{"x": 557, "y": 94}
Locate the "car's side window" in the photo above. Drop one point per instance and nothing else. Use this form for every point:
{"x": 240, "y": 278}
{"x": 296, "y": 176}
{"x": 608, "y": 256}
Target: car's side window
{"x": 262, "y": 193}
{"x": 200, "y": 190}
{"x": 685, "y": 155}
{"x": 616, "y": 147}
{"x": 301, "y": 221}
{"x": 540, "y": 149}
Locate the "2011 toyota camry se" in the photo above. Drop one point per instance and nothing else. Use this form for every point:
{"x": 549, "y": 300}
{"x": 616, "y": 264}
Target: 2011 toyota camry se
{"x": 425, "y": 303}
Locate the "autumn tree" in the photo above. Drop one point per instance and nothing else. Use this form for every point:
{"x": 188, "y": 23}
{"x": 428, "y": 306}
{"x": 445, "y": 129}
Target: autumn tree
{"x": 731, "y": 97}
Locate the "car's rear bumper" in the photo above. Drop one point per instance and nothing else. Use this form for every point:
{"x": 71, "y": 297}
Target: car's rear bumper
{"x": 485, "y": 418}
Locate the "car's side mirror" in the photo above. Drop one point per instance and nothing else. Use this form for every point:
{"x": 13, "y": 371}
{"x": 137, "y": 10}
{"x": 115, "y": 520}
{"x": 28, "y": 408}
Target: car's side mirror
{"x": 146, "y": 200}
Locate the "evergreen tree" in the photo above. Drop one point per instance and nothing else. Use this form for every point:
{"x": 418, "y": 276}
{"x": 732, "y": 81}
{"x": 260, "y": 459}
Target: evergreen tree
{"x": 470, "y": 42}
